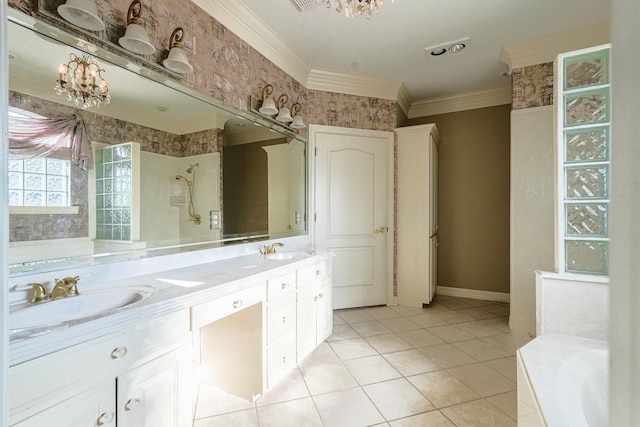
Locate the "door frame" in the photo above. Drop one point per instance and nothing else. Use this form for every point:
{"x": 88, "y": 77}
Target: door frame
{"x": 311, "y": 179}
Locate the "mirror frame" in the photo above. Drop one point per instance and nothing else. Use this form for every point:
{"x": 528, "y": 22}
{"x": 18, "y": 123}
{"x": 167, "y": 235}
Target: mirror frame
{"x": 118, "y": 57}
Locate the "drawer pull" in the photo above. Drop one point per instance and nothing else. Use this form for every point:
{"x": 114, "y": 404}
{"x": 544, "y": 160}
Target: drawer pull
{"x": 284, "y": 359}
{"x": 315, "y": 298}
{"x": 284, "y": 285}
{"x": 119, "y": 352}
{"x": 237, "y": 303}
{"x": 321, "y": 295}
{"x": 132, "y": 404}
{"x": 284, "y": 319}
{"x": 318, "y": 272}
{"x": 105, "y": 418}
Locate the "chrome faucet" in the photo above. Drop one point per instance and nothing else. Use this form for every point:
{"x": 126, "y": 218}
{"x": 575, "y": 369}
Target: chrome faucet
{"x": 270, "y": 249}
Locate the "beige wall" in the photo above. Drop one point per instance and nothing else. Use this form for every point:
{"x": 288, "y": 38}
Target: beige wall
{"x": 474, "y": 198}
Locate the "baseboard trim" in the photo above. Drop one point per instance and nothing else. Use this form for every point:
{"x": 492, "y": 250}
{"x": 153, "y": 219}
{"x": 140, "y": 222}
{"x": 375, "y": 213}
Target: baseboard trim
{"x": 473, "y": 293}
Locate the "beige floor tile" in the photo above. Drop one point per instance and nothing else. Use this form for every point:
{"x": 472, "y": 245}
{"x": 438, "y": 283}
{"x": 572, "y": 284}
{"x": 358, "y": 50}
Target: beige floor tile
{"x": 500, "y": 323}
{"x": 373, "y": 369}
{"x": 479, "y": 329}
{"x": 388, "y": 343}
{"x": 300, "y": 412}
{"x": 428, "y": 419}
{"x": 504, "y": 342}
{"x": 452, "y": 316}
{"x": 507, "y": 403}
{"x": 354, "y": 315}
{"x": 342, "y": 332}
{"x": 476, "y": 313}
{"x": 399, "y": 324}
{"x": 476, "y": 302}
{"x": 427, "y": 320}
{"x": 451, "y": 333}
{"x": 442, "y": 388}
{"x": 480, "y": 350}
{"x": 483, "y": 380}
{"x": 380, "y": 313}
{"x": 454, "y": 303}
{"x": 246, "y": 418}
{"x": 353, "y": 349}
{"x": 478, "y": 413}
{"x": 506, "y": 367}
{"x": 337, "y": 320}
{"x": 321, "y": 355}
{"x": 327, "y": 378}
{"x": 498, "y": 309}
{"x": 291, "y": 387}
{"x": 347, "y": 408}
{"x": 420, "y": 338}
{"x": 397, "y": 399}
{"x": 447, "y": 356}
{"x": 407, "y": 311}
{"x": 213, "y": 401}
{"x": 411, "y": 362}
{"x": 436, "y": 307}
{"x": 370, "y": 328}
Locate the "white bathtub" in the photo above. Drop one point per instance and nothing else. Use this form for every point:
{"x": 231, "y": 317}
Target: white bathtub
{"x": 569, "y": 378}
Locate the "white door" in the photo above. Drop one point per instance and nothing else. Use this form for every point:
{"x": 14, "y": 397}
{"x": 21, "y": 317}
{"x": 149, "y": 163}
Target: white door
{"x": 352, "y": 216}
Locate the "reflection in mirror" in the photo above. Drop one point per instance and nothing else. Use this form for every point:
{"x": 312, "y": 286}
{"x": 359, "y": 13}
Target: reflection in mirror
{"x": 160, "y": 159}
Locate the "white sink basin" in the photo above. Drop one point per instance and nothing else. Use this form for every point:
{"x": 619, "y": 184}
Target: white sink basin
{"x": 286, "y": 255}
{"x": 88, "y": 304}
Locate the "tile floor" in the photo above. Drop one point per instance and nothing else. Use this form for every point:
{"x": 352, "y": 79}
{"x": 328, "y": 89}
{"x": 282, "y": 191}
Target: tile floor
{"x": 449, "y": 365}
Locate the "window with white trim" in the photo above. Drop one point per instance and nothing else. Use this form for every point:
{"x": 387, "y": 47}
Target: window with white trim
{"x": 584, "y": 153}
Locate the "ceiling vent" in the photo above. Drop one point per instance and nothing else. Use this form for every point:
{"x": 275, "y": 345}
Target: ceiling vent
{"x": 304, "y": 5}
{"x": 448, "y": 49}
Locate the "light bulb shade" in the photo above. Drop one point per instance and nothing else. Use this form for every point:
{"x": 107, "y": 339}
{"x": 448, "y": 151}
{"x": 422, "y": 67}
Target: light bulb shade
{"x": 177, "y": 61}
{"x": 82, "y": 13}
{"x": 136, "y": 40}
{"x": 297, "y": 123}
{"x": 268, "y": 107}
{"x": 284, "y": 115}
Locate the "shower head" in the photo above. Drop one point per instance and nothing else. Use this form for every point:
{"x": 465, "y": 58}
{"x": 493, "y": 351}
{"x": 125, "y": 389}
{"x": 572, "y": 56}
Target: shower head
{"x": 191, "y": 167}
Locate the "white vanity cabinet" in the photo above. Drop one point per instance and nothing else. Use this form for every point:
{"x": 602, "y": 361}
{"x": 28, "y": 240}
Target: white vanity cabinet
{"x": 281, "y": 326}
{"x": 314, "y": 307}
{"x": 97, "y": 383}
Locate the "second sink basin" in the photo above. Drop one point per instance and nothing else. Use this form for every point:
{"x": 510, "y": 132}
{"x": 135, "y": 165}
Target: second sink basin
{"x": 88, "y": 304}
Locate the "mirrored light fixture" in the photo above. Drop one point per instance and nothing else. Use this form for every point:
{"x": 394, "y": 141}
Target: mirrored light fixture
{"x": 82, "y": 13}
{"x": 81, "y": 79}
{"x": 297, "y": 122}
{"x": 284, "y": 115}
{"x": 356, "y": 7}
{"x": 177, "y": 60}
{"x": 268, "y": 104}
{"x": 136, "y": 38}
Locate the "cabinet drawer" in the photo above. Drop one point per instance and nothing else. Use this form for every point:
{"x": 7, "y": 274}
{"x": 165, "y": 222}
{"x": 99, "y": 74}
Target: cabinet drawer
{"x": 281, "y": 318}
{"x": 218, "y": 308}
{"x": 313, "y": 274}
{"x": 281, "y": 286}
{"x": 281, "y": 358}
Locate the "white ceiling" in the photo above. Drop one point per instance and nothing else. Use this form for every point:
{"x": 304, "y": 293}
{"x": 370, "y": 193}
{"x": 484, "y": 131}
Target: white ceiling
{"x": 391, "y": 45}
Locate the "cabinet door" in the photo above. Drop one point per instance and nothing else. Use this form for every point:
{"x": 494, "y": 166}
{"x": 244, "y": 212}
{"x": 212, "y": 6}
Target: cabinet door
{"x": 306, "y": 321}
{"x": 153, "y": 394}
{"x": 95, "y": 407}
{"x": 324, "y": 312}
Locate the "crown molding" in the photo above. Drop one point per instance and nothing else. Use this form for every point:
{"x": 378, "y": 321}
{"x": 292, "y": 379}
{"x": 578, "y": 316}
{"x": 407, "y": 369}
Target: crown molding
{"x": 545, "y": 49}
{"x": 243, "y": 22}
{"x": 461, "y": 102}
{"x": 332, "y": 81}
{"x": 404, "y": 99}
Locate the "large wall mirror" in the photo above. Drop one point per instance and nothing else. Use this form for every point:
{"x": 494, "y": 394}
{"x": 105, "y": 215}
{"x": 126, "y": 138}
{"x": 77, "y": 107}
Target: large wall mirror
{"x": 170, "y": 170}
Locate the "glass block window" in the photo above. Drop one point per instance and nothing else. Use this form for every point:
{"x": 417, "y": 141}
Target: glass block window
{"x": 39, "y": 182}
{"x": 114, "y": 192}
{"x": 584, "y": 170}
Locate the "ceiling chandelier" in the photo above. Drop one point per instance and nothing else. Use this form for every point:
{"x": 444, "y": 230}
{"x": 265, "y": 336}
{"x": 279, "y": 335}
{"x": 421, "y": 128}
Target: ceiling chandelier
{"x": 81, "y": 79}
{"x": 356, "y": 7}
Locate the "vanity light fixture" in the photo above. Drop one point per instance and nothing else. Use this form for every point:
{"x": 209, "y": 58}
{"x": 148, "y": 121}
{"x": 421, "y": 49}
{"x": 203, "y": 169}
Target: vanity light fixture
{"x": 297, "y": 122}
{"x": 268, "y": 104}
{"x": 177, "y": 60}
{"x": 136, "y": 38}
{"x": 354, "y": 8}
{"x": 284, "y": 115}
{"x": 82, "y": 13}
{"x": 81, "y": 79}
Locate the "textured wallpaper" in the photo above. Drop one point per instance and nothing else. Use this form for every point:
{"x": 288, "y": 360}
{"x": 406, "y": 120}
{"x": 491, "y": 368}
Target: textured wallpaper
{"x": 532, "y": 86}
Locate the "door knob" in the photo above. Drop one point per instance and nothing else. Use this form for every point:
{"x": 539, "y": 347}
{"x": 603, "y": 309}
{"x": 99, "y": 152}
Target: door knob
{"x": 381, "y": 230}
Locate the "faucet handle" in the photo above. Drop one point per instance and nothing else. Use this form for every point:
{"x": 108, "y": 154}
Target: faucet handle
{"x": 72, "y": 285}
{"x": 60, "y": 290}
{"x": 39, "y": 292}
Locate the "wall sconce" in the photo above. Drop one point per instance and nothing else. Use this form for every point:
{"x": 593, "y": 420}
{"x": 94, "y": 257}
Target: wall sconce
{"x": 136, "y": 38}
{"x": 177, "y": 60}
{"x": 82, "y": 13}
{"x": 268, "y": 104}
{"x": 297, "y": 122}
{"x": 284, "y": 115}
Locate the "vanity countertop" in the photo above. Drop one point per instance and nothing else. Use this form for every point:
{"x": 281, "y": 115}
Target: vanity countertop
{"x": 177, "y": 289}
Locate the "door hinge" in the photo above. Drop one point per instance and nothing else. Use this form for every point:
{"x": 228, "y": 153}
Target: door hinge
{"x": 315, "y": 151}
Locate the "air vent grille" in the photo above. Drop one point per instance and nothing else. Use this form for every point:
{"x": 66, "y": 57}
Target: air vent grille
{"x": 304, "y": 5}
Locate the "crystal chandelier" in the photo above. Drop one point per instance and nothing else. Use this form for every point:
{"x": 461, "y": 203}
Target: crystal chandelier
{"x": 356, "y": 7}
{"x": 81, "y": 79}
